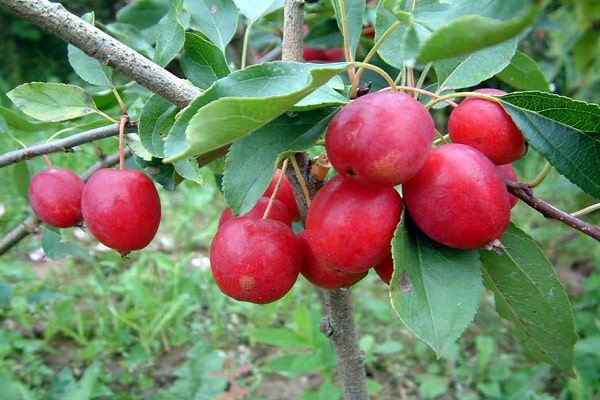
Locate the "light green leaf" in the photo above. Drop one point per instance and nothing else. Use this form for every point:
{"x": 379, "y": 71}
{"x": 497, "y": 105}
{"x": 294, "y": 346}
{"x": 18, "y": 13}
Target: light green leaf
{"x": 251, "y": 161}
{"x": 565, "y": 131}
{"x": 436, "y": 31}
{"x": 473, "y": 32}
{"x": 435, "y": 290}
{"x": 354, "y": 12}
{"x": 170, "y": 34}
{"x": 217, "y": 19}
{"x": 203, "y": 62}
{"x": 470, "y": 70}
{"x": 253, "y": 9}
{"x": 21, "y": 177}
{"x": 157, "y": 117}
{"x": 278, "y": 337}
{"x": 243, "y": 102}
{"x": 52, "y": 102}
{"x": 529, "y": 294}
{"x": 523, "y": 73}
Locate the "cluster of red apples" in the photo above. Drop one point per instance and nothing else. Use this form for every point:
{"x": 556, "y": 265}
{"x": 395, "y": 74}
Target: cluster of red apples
{"x": 382, "y": 147}
{"x": 121, "y": 208}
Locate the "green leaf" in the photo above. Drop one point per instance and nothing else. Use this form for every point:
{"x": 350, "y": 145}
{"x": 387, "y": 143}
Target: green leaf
{"x": 142, "y": 13}
{"x": 170, "y": 34}
{"x": 250, "y": 163}
{"x": 436, "y": 31}
{"x": 473, "y": 32}
{"x": 157, "y": 117}
{"x": 470, "y": 70}
{"x": 253, "y": 9}
{"x": 52, "y": 102}
{"x": 17, "y": 121}
{"x": 523, "y": 73}
{"x": 529, "y": 294}
{"x": 160, "y": 172}
{"x": 563, "y": 130}
{"x": 88, "y": 68}
{"x": 278, "y": 337}
{"x": 203, "y": 62}
{"x": 435, "y": 290}
{"x": 55, "y": 248}
{"x": 354, "y": 12}
{"x": 21, "y": 177}
{"x": 294, "y": 364}
{"x": 243, "y": 102}
{"x": 217, "y": 19}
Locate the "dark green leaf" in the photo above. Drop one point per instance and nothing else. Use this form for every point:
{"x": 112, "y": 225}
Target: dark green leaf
{"x": 52, "y": 102}
{"x": 529, "y": 294}
{"x": 470, "y": 70}
{"x": 157, "y": 117}
{"x": 251, "y": 160}
{"x": 170, "y": 34}
{"x": 243, "y": 102}
{"x": 523, "y": 73}
{"x": 217, "y": 19}
{"x": 160, "y": 172}
{"x": 435, "y": 290}
{"x": 565, "y": 131}
{"x": 354, "y": 12}
{"x": 203, "y": 62}
{"x": 17, "y": 121}
{"x": 143, "y": 13}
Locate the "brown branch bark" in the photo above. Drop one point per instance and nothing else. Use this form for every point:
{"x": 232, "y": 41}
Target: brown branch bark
{"x": 54, "y": 18}
{"x": 31, "y": 223}
{"x": 63, "y": 145}
{"x": 338, "y": 323}
{"x": 525, "y": 193}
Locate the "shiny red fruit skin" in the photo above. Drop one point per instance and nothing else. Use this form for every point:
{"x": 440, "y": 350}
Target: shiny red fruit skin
{"x": 322, "y": 275}
{"x": 312, "y": 54}
{"x": 278, "y": 212}
{"x": 458, "y": 198}
{"x": 350, "y": 226}
{"x": 484, "y": 125}
{"x": 121, "y": 208}
{"x": 385, "y": 269}
{"x": 255, "y": 260}
{"x": 507, "y": 171}
{"x": 55, "y": 197}
{"x": 285, "y": 194}
{"x": 380, "y": 139}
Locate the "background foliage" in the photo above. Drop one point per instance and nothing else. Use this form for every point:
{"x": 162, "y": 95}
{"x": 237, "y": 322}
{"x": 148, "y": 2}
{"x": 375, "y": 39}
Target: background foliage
{"x": 155, "y": 326}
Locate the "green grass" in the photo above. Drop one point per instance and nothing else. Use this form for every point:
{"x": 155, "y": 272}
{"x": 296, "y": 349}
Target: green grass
{"x": 154, "y": 325}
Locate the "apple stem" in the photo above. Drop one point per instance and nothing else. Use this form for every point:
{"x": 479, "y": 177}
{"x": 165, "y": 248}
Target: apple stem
{"x": 301, "y": 180}
{"x": 275, "y": 189}
{"x": 47, "y": 159}
{"x": 122, "y": 123}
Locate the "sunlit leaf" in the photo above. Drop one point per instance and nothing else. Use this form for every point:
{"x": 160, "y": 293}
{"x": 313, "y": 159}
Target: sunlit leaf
{"x": 243, "y": 102}
{"x": 52, "y": 102}
{"x": 217, "y": 19}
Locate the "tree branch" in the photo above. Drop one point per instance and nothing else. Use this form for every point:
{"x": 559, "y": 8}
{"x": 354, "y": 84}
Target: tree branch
{"x": 54, "y": 18}
{"x": 524, "y": 192}
{"x": 30, "y": 224}
{"x": 63, "y": 145}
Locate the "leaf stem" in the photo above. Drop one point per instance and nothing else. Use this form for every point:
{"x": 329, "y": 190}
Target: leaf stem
{"x": 122, "y": 124}
{"x": 586, "y": 211}
{"x": 275, "y": 189}
{"x": 379, "y": 71}
{"x": 524, "y": 192}
{"x": 541, "y": 176}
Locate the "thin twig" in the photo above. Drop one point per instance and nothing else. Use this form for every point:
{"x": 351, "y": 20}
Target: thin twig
{"x": 30, "y": 224}
{"x": 524, "y": 192}
{"x": 65, "y": 145}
